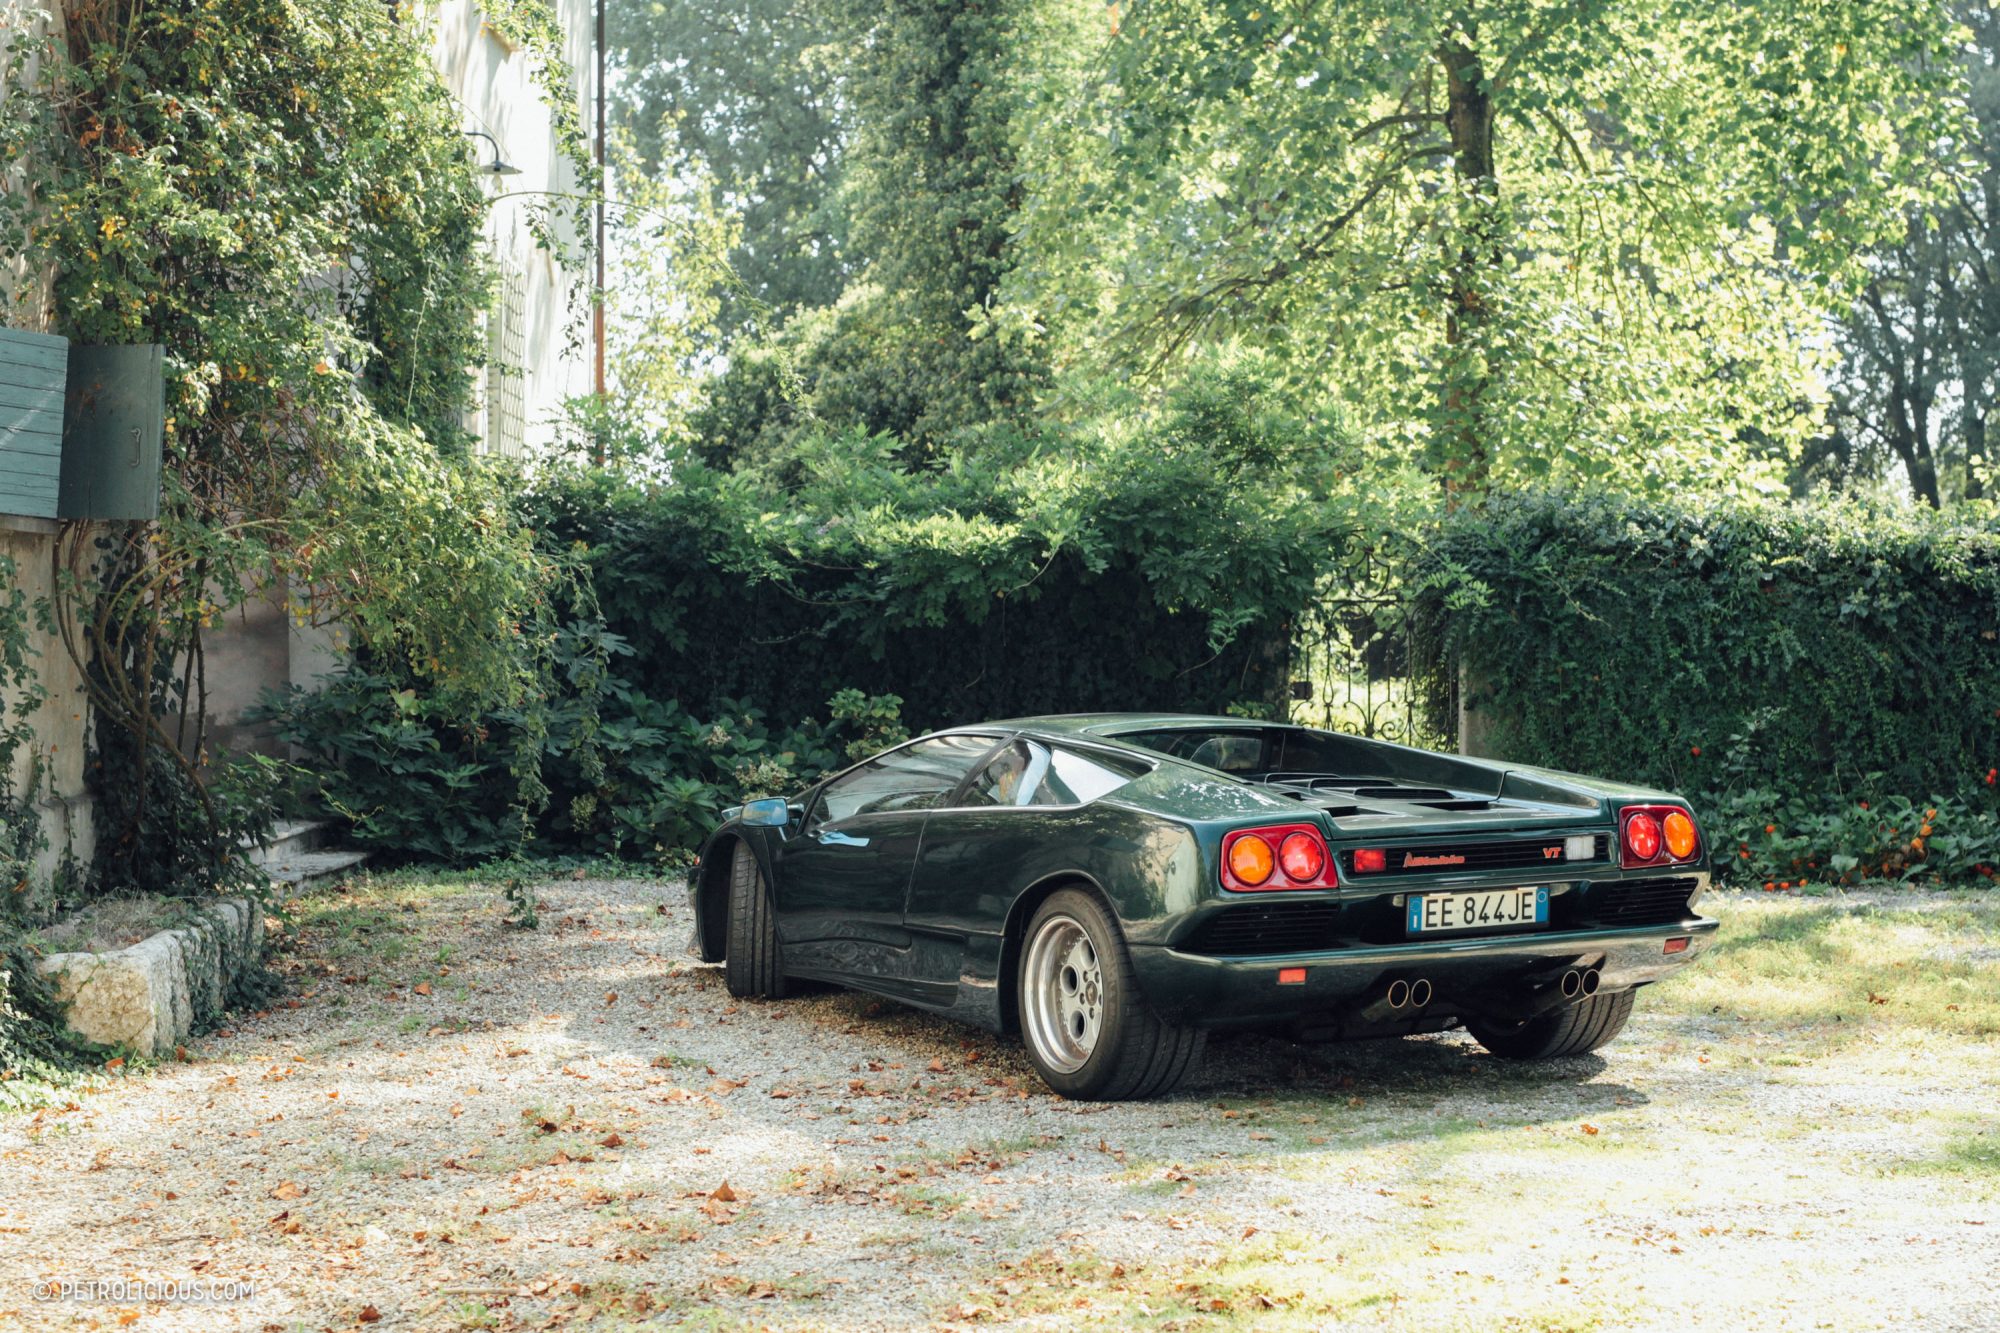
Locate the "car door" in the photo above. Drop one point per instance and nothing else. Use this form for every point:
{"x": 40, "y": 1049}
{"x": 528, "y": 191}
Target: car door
{"x": 1025, "y": 814}
{"x": 842, "y": 879}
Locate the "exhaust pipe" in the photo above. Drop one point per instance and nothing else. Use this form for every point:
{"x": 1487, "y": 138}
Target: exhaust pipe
{"x": 1590, "y": 980}
{"x": 1572, "y": 984}
{"x": 1398, "y": 996}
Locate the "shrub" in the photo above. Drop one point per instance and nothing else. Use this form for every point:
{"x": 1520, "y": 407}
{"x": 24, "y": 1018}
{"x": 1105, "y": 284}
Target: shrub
{"x": 1779, "y": 662}
{"x": 1154, "y": 564}
{"x": 593, "y": 766}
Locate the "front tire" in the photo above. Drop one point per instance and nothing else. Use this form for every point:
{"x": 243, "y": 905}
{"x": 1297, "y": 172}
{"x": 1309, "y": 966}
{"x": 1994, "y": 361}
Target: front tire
{"x": 1088, "y": 1031}
{"x": 751, "y": 969}
{"x": 1582, "y": 1027}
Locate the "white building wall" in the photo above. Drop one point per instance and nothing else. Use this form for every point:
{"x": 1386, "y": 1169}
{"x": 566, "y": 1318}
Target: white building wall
{"x": 539, "y": 352}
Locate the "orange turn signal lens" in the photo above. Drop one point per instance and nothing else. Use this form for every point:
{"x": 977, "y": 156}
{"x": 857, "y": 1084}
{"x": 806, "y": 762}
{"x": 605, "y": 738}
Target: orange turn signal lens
{"x": 1291, "y": 976}
{"x": 1680, "y": 835}
{"x": 1250, "y": 859}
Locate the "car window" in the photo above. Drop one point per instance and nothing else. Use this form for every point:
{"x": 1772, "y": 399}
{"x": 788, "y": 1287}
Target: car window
{"x": 915, "y": 777}
{"x": 1254, "y": 749}
{"x": 1005, "y": 780}
{"x": 1235, "y": 750}
{"x": 1029, "y": 773}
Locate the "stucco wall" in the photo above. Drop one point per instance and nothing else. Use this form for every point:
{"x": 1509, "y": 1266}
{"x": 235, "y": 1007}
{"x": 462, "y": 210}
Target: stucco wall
{"x": 60, "y": 722}
{"x": 493, "y": 82}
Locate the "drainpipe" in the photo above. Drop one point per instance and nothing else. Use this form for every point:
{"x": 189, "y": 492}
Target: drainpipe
{"x": 597, "y": 305}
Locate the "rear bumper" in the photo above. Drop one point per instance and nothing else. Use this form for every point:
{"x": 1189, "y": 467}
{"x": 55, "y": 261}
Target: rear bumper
{"x": 1228, "y": 992}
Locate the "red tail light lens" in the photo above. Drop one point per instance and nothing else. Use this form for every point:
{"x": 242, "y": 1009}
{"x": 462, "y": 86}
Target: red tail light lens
{"x": 1300, "y": 862}
{"x": 1642, "y": 837}
{"x": 1370, "y": 860}
{"x": 1301, "y": 856}
{"x": 1656, "y": 835}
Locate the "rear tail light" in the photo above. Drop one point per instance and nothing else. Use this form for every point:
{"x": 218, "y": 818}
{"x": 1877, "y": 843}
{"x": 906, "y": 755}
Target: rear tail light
{"x": 1680, "y": 835}
{"x": 1642, "y": 837}
{"x": 1299, "y": 861}
{"x": 1249, "y": 860}
{"x": 1302, "y": 857}
{"x": 1370, "y": 860}
{"x": 1656, "y": 835}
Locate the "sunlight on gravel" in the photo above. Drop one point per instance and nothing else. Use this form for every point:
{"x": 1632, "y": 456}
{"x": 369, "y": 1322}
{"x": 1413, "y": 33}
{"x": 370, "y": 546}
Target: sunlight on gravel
{"x": 450, "y": 1124}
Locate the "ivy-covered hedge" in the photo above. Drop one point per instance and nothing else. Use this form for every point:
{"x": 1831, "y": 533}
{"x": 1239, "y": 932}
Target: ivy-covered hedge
{"x": 740, "y": 632}
{"x": 1156, "y": 567}
{"x": 1812, "y": 648}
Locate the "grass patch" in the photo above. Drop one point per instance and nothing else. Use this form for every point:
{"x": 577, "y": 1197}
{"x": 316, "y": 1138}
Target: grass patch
{"x": 1860, "y": 966}
{"x": 1974, "y": 1154}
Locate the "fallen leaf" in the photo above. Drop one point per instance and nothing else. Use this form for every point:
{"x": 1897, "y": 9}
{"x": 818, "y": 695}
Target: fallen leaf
{"x": 723, "y": 1194}
{"x": 369, "y": 1314}
{"x": 421, "y": 988}
{"x": 289, "y": 1189}
{"x": 1588, "y": 1128}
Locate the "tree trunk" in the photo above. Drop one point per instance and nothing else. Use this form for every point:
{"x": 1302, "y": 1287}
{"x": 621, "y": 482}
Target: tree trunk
{"x": 1973, "y": 425}
{"x": 1460, "y": 449}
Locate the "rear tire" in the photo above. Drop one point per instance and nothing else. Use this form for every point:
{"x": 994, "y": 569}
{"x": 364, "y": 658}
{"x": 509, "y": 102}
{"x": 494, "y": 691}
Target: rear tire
{"x": 1583, "y": 1026}
{"x": 751, "y": 968}
{"x": 1089, "y": 1032}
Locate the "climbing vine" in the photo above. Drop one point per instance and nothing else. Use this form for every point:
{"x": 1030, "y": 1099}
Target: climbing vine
{"x": 279, "y": 195}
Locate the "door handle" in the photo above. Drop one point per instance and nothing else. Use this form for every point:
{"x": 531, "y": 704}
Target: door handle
{"x": 841, "y": 840}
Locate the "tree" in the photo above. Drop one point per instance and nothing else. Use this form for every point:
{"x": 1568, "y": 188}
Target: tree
{"x": 1920, "y": 352}
{"x": 1525, "y": 237}
{"x": 747, "y": 93}
{"x": 917, "y": 344}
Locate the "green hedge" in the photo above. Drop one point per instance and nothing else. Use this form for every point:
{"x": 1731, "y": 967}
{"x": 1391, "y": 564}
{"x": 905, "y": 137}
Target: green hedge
{"x": 1709, "y": 647}
{"x": 1157, "y": 568}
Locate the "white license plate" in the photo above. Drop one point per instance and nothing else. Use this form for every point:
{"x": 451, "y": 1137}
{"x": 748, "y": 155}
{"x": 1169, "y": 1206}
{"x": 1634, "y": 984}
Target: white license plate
{"x": 1484, "y": 909}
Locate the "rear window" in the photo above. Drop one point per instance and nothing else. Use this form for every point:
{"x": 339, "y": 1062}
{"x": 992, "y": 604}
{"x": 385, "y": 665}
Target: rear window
{"x": 1250, "y": 750}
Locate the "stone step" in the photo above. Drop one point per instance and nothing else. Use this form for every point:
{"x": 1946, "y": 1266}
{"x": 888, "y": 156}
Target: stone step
{"x": 288, "y": 838}
{"x": 307, "y": 870}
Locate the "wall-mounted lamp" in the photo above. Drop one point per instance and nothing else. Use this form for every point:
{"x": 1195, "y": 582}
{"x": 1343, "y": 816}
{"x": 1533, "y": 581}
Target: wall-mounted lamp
{"x": 499, "y": 166}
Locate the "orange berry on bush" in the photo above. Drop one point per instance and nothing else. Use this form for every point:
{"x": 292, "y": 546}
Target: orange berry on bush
{"x": 1695, "y": 750}
{"x": 1770, "y": 828}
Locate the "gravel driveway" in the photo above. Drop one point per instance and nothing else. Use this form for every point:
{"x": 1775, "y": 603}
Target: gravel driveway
{"x": 451, "y": 1124}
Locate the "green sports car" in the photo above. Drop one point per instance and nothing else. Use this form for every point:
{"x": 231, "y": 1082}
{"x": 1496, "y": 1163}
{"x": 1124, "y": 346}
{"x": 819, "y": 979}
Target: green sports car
{"x": 1115, "y": 887}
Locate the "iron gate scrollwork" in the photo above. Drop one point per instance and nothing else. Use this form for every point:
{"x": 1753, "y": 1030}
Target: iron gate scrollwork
{"x": 1351, "y": 659}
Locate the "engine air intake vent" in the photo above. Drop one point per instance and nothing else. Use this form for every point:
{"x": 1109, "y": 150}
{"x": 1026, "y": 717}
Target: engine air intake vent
{"x": 1640, "y": 902}
{"x": 1266, "y": 928}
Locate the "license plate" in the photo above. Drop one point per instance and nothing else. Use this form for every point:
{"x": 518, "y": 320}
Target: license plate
{"x": 1433, "y": 913}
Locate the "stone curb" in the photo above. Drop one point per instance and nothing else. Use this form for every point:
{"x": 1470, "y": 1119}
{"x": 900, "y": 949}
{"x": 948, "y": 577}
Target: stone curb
{"x": 143, "y": 998}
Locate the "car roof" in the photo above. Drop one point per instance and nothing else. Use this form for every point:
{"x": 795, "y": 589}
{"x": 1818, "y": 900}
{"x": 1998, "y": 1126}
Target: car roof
{"x": 1105, "y": 724}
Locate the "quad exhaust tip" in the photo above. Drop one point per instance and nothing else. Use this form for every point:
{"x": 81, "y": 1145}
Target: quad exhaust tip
{"x": 1409, "y": 994}
{"x": 1582, "y": 985}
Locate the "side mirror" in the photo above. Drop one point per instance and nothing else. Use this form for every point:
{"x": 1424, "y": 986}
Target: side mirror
{"x": 770, "y": 812}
